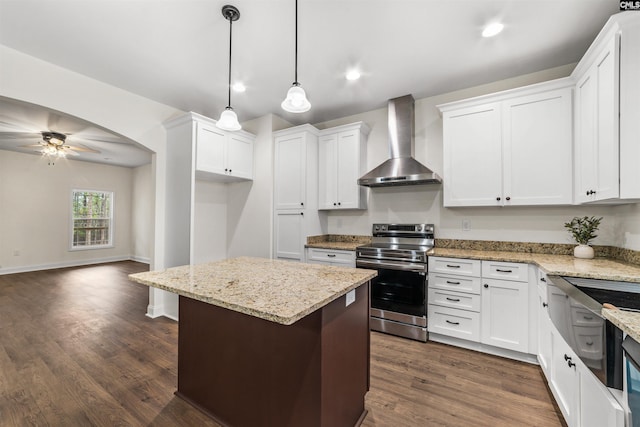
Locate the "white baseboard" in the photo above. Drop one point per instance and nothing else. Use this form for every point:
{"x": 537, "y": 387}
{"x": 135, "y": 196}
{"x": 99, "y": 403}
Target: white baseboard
{"x": 142, "y": 259}
{"x": 66, "y": 264}
{"x": 484, "y": 348}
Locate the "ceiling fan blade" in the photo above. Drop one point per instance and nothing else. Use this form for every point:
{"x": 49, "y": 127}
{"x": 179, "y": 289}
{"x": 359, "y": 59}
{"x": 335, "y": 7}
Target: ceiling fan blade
{"x": 114, "y": 140}
{"x": 81, "y": 149}
{"x": 19, "y": 135}
{"x": 68, "y": 151}
{"x": 32, "y": 146}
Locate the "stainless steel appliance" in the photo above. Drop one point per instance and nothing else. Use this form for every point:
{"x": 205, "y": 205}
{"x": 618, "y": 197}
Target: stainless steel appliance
{"x": 401, "y": 168}
{"x": 632, "y": 390}
{"x": 399, "y": 293}
{"x": 575, "y": 308}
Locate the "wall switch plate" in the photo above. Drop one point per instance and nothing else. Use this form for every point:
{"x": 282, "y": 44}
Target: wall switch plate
{"x": 465, "y": 225}
{"x": 351, "y": 297}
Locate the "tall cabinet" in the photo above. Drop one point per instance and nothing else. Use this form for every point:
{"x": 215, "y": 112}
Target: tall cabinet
{"x": 296, "y": 213}
{"x": 607, "y": 114}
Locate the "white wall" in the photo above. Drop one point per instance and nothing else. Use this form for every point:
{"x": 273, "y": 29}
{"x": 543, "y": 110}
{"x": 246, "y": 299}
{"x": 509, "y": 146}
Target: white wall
{"x": 30, "y": 79}
{"x": 36, "y": 209}
{"x": 210, "y": 222}
{"x": 424, "y": 203}
{"x": 142, "y": 207}
{"x": 628, "y": 230}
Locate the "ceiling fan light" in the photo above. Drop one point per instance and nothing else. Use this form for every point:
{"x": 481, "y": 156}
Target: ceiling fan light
{"x": 228, "y": 120}
{"x": 296, "y": 100}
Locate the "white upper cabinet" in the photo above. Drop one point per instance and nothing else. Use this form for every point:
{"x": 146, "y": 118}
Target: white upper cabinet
{"x": 291, "y": 168}
{"x": 510, "y": 148}
{"x": 473, "y": 156}
{"x": 607, "y": 115}
{"x": 341, "y": 161}
{"x": 218, "y": 155}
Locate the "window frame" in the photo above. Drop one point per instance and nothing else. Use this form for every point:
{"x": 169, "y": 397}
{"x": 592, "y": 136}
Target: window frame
{"x": 72, "y": 218}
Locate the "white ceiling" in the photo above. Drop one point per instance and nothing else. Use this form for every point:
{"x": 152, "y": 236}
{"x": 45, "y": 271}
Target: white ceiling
{"x": 176, "y": 51}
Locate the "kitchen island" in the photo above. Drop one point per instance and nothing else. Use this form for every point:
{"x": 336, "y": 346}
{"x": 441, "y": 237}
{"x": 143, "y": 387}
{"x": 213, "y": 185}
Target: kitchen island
{"x": 271, "y": 343}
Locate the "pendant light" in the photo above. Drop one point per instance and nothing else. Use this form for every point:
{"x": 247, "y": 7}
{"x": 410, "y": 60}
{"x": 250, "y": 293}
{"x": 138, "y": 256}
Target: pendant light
{"x": 228, "y": 119}
{"x": 296, "y": 100}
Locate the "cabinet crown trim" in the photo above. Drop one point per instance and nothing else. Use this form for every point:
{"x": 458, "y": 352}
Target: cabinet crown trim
{"x": 362, "y": 126}
{"x": 199, "y": 118}
{"x": 536, "y": 88}
{"x": 297, "y": 129}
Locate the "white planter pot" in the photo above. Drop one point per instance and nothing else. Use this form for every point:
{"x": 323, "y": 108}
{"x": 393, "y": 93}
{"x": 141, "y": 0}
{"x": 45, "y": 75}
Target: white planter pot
{"x": 583, "y": 251}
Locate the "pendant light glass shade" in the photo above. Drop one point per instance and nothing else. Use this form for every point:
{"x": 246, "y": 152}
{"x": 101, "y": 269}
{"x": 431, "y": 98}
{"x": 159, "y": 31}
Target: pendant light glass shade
{"x": 228, "y": 120}
{"x": 296, "y": 100}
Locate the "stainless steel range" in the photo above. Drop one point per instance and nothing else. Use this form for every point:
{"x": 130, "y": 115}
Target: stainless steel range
{"x": 399, "y": 292}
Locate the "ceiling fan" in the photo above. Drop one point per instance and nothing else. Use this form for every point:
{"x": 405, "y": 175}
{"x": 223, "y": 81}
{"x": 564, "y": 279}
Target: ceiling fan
{"x": 53, "y": 145}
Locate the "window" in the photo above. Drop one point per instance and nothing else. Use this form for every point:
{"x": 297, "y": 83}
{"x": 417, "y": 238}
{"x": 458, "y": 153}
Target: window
{"x": 92, "y": 218}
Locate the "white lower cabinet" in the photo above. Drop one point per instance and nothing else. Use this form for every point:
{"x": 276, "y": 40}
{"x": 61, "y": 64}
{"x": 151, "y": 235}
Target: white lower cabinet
{"x": 564, "y": 378}
{"x": 480, "y": 301}
{"x": 331, "y": 257}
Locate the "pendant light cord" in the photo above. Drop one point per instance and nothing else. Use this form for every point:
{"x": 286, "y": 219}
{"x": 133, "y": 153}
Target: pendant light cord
{"x": 229, "y": 87}
{"x": 295, "y": 82}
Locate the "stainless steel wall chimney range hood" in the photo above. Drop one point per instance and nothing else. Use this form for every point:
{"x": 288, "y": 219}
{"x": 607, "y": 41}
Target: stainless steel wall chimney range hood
{"x": 401, "y": 168}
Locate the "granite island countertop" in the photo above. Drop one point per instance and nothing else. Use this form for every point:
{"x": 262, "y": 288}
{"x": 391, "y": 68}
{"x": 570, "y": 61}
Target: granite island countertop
{"x": 275, "y": 290}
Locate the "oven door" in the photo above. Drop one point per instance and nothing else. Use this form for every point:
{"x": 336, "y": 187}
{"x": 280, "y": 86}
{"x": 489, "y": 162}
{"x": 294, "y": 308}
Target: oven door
{"x": 399, "y": 287}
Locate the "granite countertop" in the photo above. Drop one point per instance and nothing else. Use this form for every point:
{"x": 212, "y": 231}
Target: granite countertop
{"x": 275, "y": 290}
{"x": 567, "y": 265}
{"x": 560, "y": 265}
{"x": 628, "y": 321}
{"x": 340, "y": 242}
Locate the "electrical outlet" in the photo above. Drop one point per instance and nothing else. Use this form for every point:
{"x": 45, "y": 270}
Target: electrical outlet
{"x": 465, "y": 225}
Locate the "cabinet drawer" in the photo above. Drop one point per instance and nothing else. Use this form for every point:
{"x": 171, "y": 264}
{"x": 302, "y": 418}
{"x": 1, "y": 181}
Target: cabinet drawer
{"x": 453, "y": 322}
{"x": 454, "y": 299}
{"x": 589, "y": 343}
{"x": 583, "y": 317}
{"x": 331, "y": 256}
{"x": 455, "y": 283}
{"x": 505, "y": 270}
{"x": 459, "y": 266}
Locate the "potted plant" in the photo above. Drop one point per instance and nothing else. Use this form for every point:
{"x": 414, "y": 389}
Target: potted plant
{"x": 583, "y": 230}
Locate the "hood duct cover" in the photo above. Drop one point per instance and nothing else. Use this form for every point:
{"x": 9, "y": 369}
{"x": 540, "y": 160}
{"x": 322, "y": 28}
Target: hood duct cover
{"x": 401, "y": 168}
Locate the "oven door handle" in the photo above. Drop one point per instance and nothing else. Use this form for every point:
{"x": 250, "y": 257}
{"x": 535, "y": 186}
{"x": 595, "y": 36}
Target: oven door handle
{"x": 417, "y": 268}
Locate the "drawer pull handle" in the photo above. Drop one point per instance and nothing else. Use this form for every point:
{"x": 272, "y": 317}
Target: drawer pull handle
{"x": 567, "y": 358}
{"x": 545, "y": 305}
{"x": 503, "y": 271}
{"x": 452, "y": 266}
{"x": 589, "y": 342}
{"x": 453, "y": 299}
{"x": 452, "y": 323}
{"x": 542, "y": 279}
{"x": 588, "y": 317}
{"x": 452, "y": 283}
{"x": 570, "y": 363}
{"x": 331, "y": 255}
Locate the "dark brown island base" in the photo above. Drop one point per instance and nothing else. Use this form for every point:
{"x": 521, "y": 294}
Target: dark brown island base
{"x": 272, "y": 343}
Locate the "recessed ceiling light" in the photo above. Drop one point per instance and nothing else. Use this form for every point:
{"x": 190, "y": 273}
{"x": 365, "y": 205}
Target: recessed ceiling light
{"x": 239, "y": 87}
{"x": 353, "y": 75}
{"x": 492, "y": 29}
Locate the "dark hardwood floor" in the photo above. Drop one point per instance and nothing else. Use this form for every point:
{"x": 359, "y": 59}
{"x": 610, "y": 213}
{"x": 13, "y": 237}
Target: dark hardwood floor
{"x": 77, "y": 350}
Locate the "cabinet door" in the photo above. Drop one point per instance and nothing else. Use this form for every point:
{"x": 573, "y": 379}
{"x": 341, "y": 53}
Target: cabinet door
{"x": 505, "y": 314}
{"x": 545, "y": 337}
{"x": 597, "y": 406}
{"x": 290, "y": 172}
{"x": 597, "y": 143}
{"x": 473, "y": 156}
{"x": 328, "y": 172}
{"x": 564, "y": 379}
{"x": 538, "y": 162}
{"x": 289, "y": 234}
{"x": 211, "y": 149}
{"x": 240, "y": 156}
{"x": 348, "y": 171}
